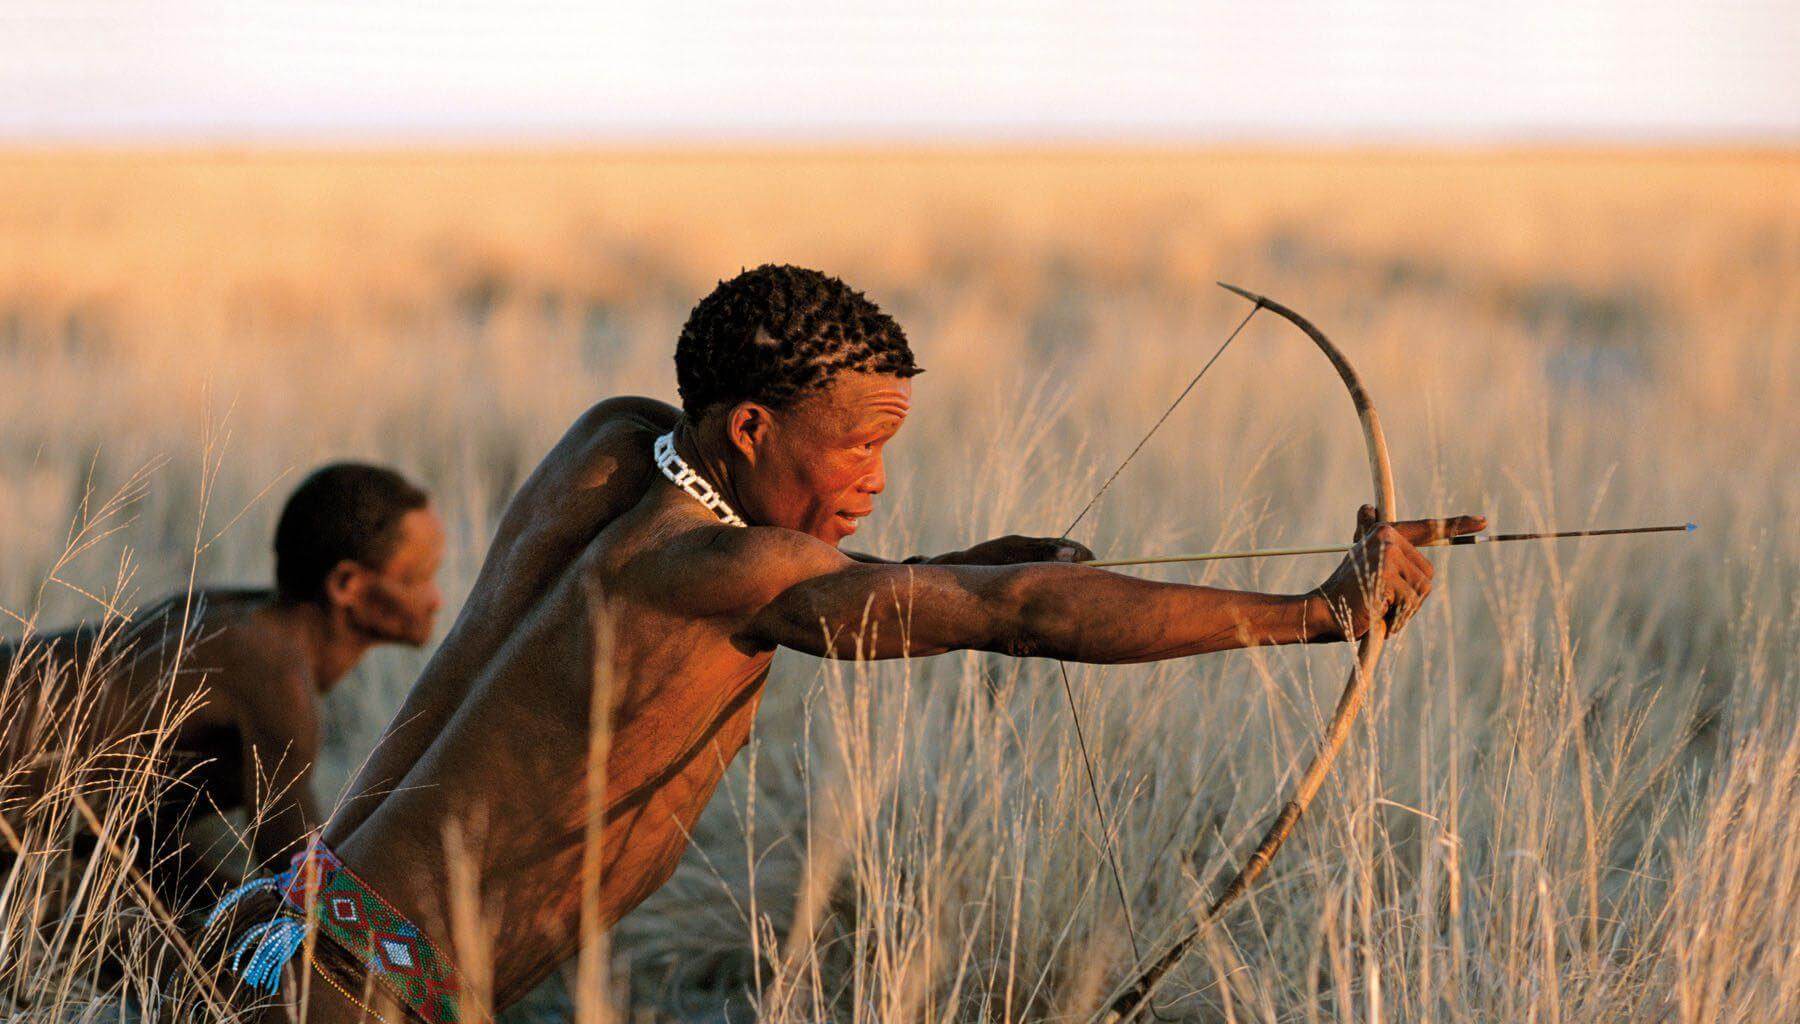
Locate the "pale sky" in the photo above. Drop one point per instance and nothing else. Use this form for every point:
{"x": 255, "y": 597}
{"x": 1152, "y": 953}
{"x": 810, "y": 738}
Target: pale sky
{"x": 969, "y": 70}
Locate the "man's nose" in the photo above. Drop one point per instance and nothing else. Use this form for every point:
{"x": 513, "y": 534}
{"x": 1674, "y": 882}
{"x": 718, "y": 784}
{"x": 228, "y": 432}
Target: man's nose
{"x": 876, "y": 481}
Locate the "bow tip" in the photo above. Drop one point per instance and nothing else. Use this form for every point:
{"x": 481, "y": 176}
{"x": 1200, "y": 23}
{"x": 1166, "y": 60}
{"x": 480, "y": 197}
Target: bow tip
{"x": 1241, "y": 292}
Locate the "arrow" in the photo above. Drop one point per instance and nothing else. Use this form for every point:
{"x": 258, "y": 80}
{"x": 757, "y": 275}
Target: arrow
{"x": 1338, "y": 549}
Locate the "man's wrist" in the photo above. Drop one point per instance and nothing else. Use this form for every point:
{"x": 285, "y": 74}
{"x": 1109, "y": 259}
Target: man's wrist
{"x": 1317, "y": 622}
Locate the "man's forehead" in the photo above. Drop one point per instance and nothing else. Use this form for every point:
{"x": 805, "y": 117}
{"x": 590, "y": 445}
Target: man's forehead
{"x": 860, "y": 393}
{"x": 420, "y": 531}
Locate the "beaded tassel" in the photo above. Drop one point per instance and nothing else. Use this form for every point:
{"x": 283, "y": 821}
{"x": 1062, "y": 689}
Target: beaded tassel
{"x": 231, "y": 898}
{"x": 275, "y": 944}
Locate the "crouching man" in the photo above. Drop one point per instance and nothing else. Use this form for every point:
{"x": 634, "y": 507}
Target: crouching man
{"x": 357, "y": 550}
{"x": 643, "y": 577}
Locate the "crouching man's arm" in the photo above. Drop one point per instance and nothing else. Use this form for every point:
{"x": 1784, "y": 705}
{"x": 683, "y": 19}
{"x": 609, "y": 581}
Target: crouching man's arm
{"x": 1008, "y": 550}
{"x": 835, "y": 607}
{"x": 1030, "y": 610}
{"x": 281, "y": 738}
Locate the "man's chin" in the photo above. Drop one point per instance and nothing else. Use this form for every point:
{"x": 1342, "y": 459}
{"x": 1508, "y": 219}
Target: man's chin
{"x": 414, "y": 639}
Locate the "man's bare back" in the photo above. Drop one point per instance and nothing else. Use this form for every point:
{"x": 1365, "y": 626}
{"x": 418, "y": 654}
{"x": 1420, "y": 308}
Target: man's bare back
{"x": 495, "y": 732}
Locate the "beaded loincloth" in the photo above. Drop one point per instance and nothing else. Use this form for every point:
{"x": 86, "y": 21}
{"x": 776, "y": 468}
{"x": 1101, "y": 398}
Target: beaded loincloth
{"x": 319, "y": 894}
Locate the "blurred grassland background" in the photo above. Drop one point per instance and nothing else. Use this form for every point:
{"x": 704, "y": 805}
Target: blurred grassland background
{"x": 1573, "y": 799}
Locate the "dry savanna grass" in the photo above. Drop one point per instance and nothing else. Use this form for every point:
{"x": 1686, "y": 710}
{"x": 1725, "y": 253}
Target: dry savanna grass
{"x": 1572, "y": 797}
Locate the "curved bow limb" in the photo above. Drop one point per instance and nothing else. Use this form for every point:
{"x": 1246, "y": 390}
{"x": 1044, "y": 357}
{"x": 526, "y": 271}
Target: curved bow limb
{"x": 1137, "y": 994}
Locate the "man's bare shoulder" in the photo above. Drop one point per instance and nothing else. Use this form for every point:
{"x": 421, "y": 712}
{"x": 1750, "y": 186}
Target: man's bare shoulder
{"x": 778, "y": 557}
{"x": 599, "y": 469}
{"x": 612, "y": 429}
{"x": 651, "y": 412}
{"x": 702, "y": 568}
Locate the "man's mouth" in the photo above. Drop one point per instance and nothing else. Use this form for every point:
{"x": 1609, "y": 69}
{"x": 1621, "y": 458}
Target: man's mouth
{"x": 849, "y": 519}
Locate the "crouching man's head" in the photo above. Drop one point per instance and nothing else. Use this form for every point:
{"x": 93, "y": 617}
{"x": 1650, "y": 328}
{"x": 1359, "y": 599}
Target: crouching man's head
{"x": 363, "y": 545}
{"x": 804, "y": 380}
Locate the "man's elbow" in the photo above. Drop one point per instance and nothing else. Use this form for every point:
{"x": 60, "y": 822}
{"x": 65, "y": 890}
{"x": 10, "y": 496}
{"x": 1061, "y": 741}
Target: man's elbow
{"x": 797, "y": 625}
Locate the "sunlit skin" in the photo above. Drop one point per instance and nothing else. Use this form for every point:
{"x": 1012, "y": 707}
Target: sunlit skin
{"x": 609, "y": 595}
{"x": 816, "y": 473}
{"x": 261, "y": 666}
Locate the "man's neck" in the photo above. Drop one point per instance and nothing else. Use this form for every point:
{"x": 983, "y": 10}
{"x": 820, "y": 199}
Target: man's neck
{"x": 332, "y": 646}
{"x": 707, "y": 452}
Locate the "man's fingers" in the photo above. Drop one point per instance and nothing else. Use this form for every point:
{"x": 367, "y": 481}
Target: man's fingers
{"x": 1409, "y": 567}
{"x": 1394, "y": 575}
{"x": 1421, "y": 531}
{"x": 1071, "y": 551}
{"x": 1370, "y": 552}
{"x": 1406, "y": 600}
{"x": 1416, "y": 558}
{"x": 1424, "y": 531}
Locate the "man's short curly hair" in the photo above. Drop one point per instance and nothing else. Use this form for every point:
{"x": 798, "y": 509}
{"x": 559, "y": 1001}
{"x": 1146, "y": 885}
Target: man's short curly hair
{"x": 342, "y": 511}
{"x": 773, "y": 334}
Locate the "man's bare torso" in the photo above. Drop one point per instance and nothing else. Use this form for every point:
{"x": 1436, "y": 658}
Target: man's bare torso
{"x": 572, "y": 606}
{"x": 612, "y": 599}
{"x": 214, "y": 673}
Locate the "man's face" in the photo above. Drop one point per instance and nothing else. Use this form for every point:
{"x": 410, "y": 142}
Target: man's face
{"x": 818, "y": 467}
{"x": 398, "y": 601}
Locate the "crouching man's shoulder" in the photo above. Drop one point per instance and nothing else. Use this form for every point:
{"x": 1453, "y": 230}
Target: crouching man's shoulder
{"x": 604, "y": 453}
{"x": 628, "y": 411}
{"x": 721, "y": 570}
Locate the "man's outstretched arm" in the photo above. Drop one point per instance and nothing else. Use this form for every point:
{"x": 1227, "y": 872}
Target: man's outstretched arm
{"x": 1008, "y": 550}
{"x": 1032, "y": 610}
{"x": 835, "y": 607}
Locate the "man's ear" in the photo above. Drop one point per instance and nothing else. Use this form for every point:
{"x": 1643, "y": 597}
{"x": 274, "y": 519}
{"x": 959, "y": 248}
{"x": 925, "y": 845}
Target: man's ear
{"x": 344, "y": 584}
{"x": 748, "y": 427}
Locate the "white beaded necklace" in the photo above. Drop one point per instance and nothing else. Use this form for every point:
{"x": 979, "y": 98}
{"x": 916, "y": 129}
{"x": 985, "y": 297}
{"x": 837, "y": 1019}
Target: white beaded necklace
{"x": 683, "y": 476}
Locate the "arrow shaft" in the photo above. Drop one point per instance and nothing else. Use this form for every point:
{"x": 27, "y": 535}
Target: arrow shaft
{"x": 1338, "y": 549}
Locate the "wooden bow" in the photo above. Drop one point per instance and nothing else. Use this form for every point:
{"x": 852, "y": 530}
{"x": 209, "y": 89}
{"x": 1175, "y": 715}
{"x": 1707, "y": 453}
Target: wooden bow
{"x": 1136, "y": 994}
